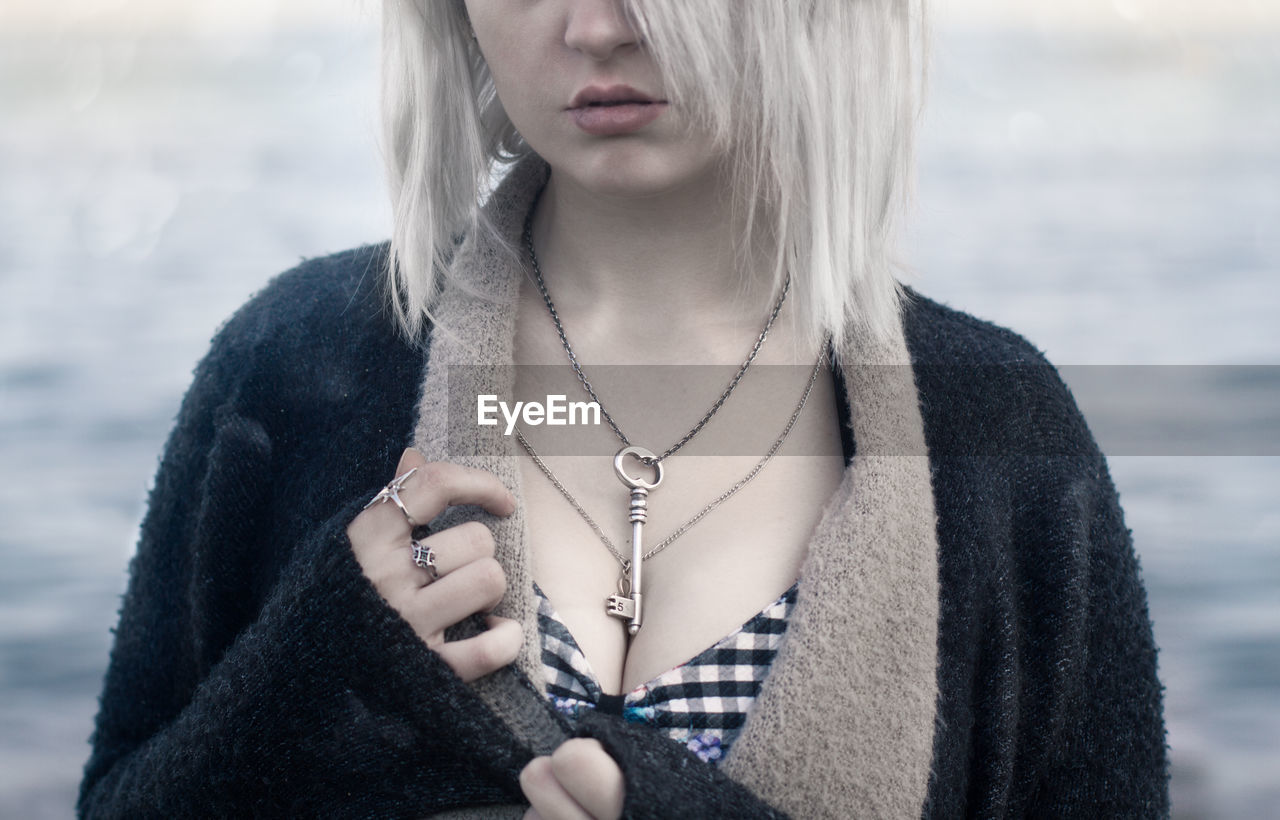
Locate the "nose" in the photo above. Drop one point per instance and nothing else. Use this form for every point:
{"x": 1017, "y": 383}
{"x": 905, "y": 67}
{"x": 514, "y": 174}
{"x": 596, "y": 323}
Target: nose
{"x": 598, "y": 28}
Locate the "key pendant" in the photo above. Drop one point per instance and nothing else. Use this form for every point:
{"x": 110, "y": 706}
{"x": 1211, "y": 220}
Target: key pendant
{"x": 621, "y": 605}
{"x": 629, "y": 607}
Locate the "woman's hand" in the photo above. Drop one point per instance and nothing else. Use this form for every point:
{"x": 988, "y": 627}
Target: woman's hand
{"x": 468, "y": 580}
{"x": 579, "y": 781}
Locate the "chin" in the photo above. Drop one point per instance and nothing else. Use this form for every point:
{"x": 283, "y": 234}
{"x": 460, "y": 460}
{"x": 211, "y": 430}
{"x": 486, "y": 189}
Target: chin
{"x": 631, "y": 173}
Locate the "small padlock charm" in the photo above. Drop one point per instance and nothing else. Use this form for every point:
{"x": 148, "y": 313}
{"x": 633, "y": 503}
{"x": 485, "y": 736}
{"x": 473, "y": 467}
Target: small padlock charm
{"x": 620, "y": 606}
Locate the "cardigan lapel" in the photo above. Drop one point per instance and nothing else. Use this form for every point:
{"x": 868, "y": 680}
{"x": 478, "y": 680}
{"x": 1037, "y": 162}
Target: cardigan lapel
{"x": 843, "y": 726}
{"x": 470, "y": 355}
{"x": 844, "y": 723}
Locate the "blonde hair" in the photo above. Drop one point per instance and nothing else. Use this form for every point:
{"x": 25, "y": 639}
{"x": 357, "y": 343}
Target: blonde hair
{"x": 817, "y": 98}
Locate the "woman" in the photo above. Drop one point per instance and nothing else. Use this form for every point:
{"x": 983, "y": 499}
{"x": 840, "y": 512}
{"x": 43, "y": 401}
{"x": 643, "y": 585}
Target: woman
{"x": 953, "y": 622}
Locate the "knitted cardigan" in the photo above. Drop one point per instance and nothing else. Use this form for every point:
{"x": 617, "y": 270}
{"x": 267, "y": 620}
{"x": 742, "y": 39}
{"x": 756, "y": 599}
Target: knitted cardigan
{"x": 970, "y": 638}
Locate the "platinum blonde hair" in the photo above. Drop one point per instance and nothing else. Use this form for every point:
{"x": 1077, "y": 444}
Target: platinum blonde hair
{"x": 817, "y": 101}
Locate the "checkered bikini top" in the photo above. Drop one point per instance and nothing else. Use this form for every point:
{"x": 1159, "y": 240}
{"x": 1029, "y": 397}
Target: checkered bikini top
{"x": 701, "y": 703}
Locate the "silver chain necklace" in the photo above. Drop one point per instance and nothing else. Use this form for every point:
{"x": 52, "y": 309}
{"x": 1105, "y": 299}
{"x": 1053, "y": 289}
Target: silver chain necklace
{"x": 647, "y": 457}
{"x": 627, "y": 603}
{"x": 686, "y": 526}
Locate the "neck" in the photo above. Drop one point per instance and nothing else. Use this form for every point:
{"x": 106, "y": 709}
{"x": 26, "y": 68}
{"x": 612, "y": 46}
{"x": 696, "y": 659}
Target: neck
{"x": 666, "y": 258}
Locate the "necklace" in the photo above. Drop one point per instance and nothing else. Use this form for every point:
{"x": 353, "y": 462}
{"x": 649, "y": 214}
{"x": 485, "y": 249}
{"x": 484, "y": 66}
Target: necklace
{"x": 645, "y": 456}
{"x": 683, "y": 528}
{"x": 626, "y": 602}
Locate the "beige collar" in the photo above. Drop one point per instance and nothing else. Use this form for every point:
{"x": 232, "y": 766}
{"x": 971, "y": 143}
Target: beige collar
{"x": 844, "y": 724}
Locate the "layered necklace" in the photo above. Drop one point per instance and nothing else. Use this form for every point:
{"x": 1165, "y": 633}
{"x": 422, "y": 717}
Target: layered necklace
{"x": 627, "y": 603}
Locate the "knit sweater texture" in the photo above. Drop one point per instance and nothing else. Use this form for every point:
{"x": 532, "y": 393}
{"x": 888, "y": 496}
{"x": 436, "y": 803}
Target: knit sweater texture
{"x": 256, "y": 672}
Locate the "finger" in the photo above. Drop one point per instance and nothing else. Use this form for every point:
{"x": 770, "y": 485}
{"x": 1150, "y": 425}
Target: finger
{"x": 546, "y": 795}
{"x": 457, "y": 546}
{"x": 380, "y": 528}
{"x": 590, "y": 776}
{"x": 439, "y": 485}
{"x": 409, "y": 459}
{"x": 449, "y": 549}
{"x": 487, "y": 652}
{"x": 474, "y": 587}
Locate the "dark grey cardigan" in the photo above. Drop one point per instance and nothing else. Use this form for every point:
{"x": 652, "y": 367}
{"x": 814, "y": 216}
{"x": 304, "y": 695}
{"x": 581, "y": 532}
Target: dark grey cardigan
{"x": 257, "y": 673}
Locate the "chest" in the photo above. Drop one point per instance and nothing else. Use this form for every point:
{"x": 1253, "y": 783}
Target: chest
{"x": 739, "y": 556}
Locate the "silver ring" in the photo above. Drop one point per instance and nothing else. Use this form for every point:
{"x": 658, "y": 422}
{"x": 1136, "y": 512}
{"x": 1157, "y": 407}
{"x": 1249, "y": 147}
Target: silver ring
{"x": 425, "y": 557}
{"x": 391, "y": 493}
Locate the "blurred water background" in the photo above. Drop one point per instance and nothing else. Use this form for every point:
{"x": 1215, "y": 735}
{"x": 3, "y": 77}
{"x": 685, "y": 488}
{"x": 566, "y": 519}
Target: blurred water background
{"x": 1110, "y": 191}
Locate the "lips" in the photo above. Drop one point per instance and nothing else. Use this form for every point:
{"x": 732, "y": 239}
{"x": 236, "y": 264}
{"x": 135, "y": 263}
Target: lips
{"x": 612, "y": 95}
{"x": 606, "y": 111}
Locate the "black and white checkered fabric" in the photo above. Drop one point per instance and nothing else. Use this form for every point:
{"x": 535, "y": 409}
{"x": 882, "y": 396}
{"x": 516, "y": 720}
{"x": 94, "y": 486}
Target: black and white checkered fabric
{"x": 702, "y": 703}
